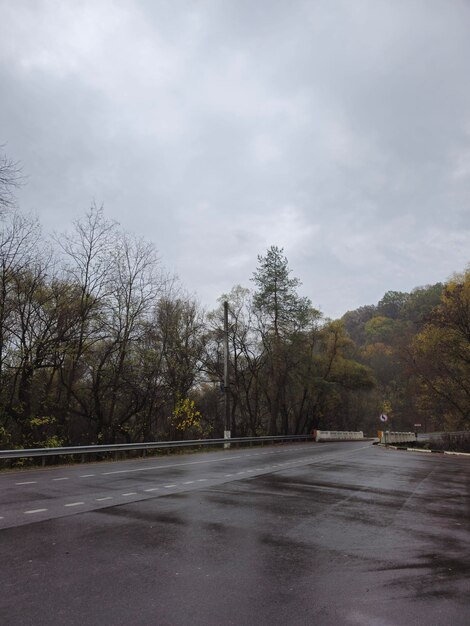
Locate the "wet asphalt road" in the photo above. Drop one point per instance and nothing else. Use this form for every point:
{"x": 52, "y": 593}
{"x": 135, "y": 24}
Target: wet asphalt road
{"x": 333, "y": 533}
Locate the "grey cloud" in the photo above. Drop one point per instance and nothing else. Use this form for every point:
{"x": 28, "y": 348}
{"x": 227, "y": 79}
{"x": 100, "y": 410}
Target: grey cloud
{"x": 338, "y": 130}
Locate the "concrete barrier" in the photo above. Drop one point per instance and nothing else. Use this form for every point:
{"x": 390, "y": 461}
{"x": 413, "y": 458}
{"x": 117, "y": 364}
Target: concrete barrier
{"x": 337, "y": 435}
{"x": 387, "y": 437}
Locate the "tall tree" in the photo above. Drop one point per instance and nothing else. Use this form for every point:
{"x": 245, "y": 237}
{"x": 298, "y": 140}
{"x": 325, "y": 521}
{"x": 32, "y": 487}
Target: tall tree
{"x": 280, "y": 312}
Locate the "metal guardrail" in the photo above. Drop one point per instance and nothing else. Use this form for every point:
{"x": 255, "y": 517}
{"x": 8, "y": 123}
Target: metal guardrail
{"x": 437, "y": 435}
{"x": 119, "y": 447}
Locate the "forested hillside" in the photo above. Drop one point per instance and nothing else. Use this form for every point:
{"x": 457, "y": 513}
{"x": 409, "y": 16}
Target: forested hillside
{"x": 418, "y": 346}
{"x": 99, "y": 344}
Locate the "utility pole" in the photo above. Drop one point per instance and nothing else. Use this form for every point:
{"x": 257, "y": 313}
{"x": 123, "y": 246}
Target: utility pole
{"x": 227, "y": 432}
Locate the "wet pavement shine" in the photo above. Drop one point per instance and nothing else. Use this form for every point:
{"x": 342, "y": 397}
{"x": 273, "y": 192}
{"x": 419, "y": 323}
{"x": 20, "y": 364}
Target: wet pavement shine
{"x": 319, "y": 534}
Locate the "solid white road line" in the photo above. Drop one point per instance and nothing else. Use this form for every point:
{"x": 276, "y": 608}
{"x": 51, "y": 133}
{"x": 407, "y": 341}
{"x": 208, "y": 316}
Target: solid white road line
{"x": 153, "y": 467}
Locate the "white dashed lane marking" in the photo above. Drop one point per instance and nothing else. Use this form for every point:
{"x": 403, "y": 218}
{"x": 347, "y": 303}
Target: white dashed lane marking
{"x": 170, "y": 486}
{"x": 146, "y": 469}
{"x": 151, "y": 489}
{"x": 33, "y": 482}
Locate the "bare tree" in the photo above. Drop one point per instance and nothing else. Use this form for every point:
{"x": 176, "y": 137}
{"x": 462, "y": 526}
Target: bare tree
{"x": 19, "y": 237}
{"x": 89, "y": 260}
{"x": 136, "y": 284}
{"x": 10, "y": 178}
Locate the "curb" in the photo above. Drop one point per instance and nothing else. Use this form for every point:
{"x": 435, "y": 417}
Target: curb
{"x": 425, "y": 451}
{"x": 457, "y": 453}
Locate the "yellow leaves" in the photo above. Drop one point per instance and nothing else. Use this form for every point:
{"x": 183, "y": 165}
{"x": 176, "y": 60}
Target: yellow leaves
{"x": 376, "y": 349}
{"x": 185, "y": 416}
{"x": 48, "y": 441}
{"x": 188, "y": 423}
{"x": 52, "y": 442}
{"x": 5, "y": 436}
{"x": 42, "y": 421}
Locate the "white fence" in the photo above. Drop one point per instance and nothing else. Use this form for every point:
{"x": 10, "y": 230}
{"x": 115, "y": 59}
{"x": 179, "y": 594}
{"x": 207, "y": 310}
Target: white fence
{"x": 387, "y": 437}
{"x": 337, "y": 435}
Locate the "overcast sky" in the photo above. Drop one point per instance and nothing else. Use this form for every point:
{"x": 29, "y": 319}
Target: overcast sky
{"x": 338, "y": 130}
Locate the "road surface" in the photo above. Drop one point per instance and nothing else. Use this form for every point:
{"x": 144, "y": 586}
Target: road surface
{"x": 331, "y": 533}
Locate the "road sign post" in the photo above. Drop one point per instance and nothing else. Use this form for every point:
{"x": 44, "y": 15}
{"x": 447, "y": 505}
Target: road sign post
{"x": 384, "y": 419}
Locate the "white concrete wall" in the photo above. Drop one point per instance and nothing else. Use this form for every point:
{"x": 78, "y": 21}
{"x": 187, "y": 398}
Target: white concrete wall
{"x": 396, "y": 437}
{"x": 337, "y": 435}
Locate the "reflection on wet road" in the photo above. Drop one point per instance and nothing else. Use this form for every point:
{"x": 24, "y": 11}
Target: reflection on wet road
{"x": 310, "y": 534}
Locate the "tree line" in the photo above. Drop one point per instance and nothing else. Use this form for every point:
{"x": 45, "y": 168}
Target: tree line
{"x": 98, "y": 344}
{"x": 418, "y": 346}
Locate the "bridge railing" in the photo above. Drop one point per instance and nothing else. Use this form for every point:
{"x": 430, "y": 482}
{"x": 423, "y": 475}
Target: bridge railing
{"x": 337, "y": 435}
{"x": 386, "y": 437}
